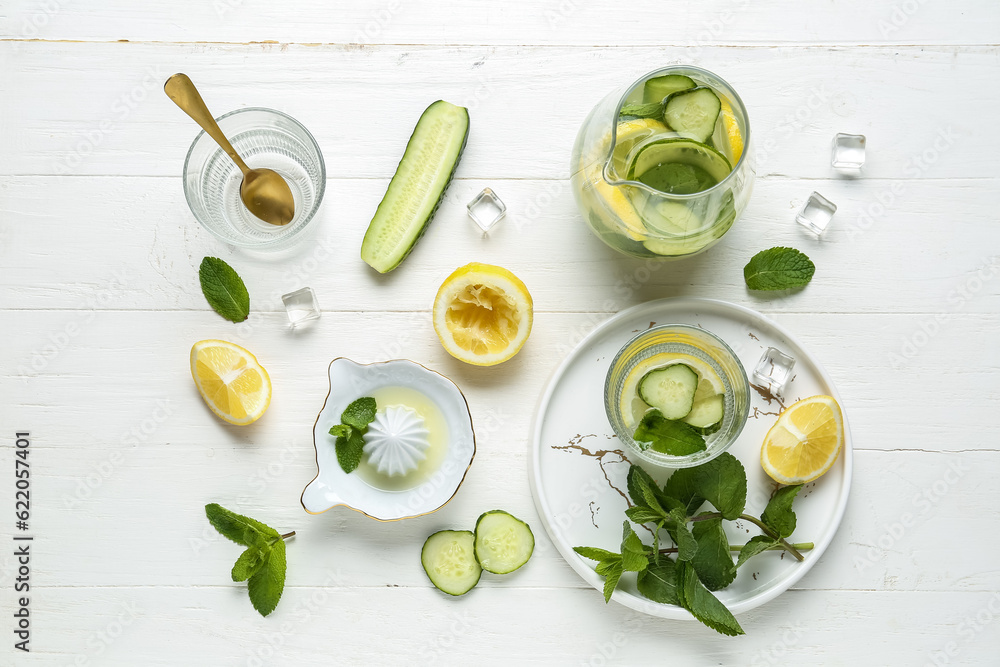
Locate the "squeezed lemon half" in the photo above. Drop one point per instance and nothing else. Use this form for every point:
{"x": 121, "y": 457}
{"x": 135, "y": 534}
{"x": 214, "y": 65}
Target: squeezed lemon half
{"x": 482, "y": 314}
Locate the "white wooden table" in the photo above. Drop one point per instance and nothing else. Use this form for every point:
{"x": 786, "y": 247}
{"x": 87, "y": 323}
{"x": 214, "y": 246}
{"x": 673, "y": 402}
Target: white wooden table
{"x": 100, "y": 304}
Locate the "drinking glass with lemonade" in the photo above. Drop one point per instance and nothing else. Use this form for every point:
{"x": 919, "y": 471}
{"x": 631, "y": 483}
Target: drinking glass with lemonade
{"x": 664, "y": 167}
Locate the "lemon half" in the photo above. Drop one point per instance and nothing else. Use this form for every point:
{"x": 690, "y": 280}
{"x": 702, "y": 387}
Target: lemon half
{"x": 804, "y": 442}
{"x": 482, "y": 314}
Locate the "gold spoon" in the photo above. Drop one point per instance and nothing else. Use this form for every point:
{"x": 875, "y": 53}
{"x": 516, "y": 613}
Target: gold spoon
{"x": 263, "y": 191}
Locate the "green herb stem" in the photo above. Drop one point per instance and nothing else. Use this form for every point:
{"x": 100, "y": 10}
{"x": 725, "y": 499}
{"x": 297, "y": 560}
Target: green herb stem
{"x": 287, "y": 535}
{"x": 782, "y": 542}
{"x": 801, "y": 546}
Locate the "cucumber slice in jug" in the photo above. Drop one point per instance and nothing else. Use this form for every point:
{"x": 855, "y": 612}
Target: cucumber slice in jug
{"x": 651, "y": 160}
{"x": 693, "y": 113}
{"x": 670, "y": 390}
{"x": 655, "y": 90}
{"x": 450, "y": 562}
{"x": 417, "y": 187}
{"x": 706, "y": 415}
{"x": 503, "y": 542}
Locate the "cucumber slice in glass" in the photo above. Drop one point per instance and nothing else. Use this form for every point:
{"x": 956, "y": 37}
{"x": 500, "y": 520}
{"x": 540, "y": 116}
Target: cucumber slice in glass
{"x": 655, "y": 90}
{"x": 503, "y": 542}
{"x": 449, "y": 560}
{"x": 670, "y": 390}
{"x": 417, "y": 187}
{"x": 693, "y": 113}
{"x": 706, "y": 415}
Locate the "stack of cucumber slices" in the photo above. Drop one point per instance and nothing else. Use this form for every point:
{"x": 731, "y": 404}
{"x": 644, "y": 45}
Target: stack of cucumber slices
{"x": 676, "y": 394}
{"x": 455, "y": 559}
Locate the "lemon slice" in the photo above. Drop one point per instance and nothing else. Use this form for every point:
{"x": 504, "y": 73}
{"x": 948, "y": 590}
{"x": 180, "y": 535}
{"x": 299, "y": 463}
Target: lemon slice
{"x": 732, "y": 129}
{"x": 632, "y": 407}
{"x": 804, "y": 442}
{"x": 627, "y": 134}
{"x": 482, "y": 314}
{"x": 233, "y": 384}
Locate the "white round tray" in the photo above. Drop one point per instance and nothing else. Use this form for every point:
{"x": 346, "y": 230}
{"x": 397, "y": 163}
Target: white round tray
{"x": 577, "y": 468}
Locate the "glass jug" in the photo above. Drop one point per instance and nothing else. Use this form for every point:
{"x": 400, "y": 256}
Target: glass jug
{"x": 653, "y": 174}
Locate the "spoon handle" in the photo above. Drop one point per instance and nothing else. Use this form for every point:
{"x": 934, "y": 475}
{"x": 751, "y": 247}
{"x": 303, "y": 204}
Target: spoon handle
{"x": 182, "y": 91}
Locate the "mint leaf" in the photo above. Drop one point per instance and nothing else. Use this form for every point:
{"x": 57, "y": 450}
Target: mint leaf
{"x": 658, "y": 582}
{"x": 682, "y": 489}
{"x": 756, "y": 545}
{"x": 642, "y": 515}
{"x": 676, "y": 525}
{"x": 638, "y": 481}
{"x": 778, "y": 515}
{"x": 608, "y": 564}
{"x": 360, "y": 413}
{"x": 643, "y": 491}
{"x": 778, "y": 268}
{"x": 722, "y": 482}
{"x": 224, "y": 289}
{"x": 713, "y": 562}
{"x": 611, "y": 580}
{"x": 703, "y": 605}
{"x": 593, "y": 553}
{"x": 341, "y": 431}
{"x": 634, "y": 552}
{"x": 349, "y": 451}
{"x": 234, "y": 526}
{"x": 651, "y": 110}
{"x": 248, "y": 563}
{"x": 267, "y": 583}
{"x": 668, "y": 436}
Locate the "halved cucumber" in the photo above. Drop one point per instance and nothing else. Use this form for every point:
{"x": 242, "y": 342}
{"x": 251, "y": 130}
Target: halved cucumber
{"x": 417, "y": 187}
{"x": 503, "y": 542}
{"x": 706, "y": 415}
{"x": 670, "y": 390}
{"x": 693, "y": 113}
{"x": 450, "y": 562}
{"x": 655, "y": 90}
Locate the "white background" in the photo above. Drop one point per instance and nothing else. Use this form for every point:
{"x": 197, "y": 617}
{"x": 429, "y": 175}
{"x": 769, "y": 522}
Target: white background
{"x": 100, "y": 304}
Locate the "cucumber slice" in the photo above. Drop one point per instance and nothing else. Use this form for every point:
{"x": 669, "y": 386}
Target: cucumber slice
{"x": 503, "y": 542}
{"x": 675, "y": 218}
{"x": 670, "y": 390}
{"x": 654, "y": 164}
{"x": 655, "y": 90}
{"x": 693, "y": 113}
{"x": 417, "y": 187}
{"x": 706, "y": 415}
{"x": 651, "y": 110}
{"x": 450, "y": 562}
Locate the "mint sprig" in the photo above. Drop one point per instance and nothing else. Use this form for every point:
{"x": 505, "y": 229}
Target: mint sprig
{"x": 778, "y": 268}
{"x": 350, "y": 443}
{"x": 263, "y": 563}
{"x": 224, "y": 289}
{"x": 701, "y": 558}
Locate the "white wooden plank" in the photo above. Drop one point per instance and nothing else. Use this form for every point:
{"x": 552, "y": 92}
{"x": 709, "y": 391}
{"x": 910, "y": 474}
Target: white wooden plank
{"x": 891, "y": 538}
{"x": 51, "y": 374}
{"x": 515, "y": 22}
{"x": 389, "y": 626}
{"x": 97, "y": 108}
{"x": 135, "y": 245}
